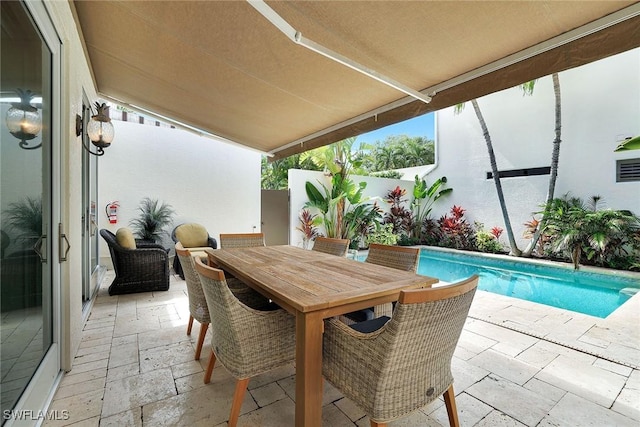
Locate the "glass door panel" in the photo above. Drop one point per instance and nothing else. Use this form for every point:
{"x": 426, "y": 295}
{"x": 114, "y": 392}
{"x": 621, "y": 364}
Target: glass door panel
{"x": 26, "y": 298}
{"x": 90, "y": 267}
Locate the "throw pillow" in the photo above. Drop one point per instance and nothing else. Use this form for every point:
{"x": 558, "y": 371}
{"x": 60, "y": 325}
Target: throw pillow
{"x": 192, "y": 235}
{"x": 125, "y": 238}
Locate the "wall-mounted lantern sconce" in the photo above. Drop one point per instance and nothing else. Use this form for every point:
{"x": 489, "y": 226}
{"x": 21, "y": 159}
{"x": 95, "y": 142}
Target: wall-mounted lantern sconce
{"x": 99, "y": 129}
{"x": 23, "y": 119}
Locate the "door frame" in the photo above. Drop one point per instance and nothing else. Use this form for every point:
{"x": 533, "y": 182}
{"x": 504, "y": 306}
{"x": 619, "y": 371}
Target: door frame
{"x": 39, "y": 392}
{"x": 91, "y": 274}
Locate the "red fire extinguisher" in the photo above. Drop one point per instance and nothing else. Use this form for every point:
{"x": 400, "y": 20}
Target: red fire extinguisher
{"x": 112, "y": 211}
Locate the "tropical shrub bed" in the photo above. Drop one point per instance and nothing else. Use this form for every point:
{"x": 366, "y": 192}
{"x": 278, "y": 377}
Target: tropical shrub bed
{"x": 585, "y": 233}
{"x": 568, "y": 230}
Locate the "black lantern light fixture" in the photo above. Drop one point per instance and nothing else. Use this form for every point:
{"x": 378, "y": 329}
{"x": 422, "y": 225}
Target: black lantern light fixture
{"x": 24, "y": 120}
{"x": 99, "y": 129}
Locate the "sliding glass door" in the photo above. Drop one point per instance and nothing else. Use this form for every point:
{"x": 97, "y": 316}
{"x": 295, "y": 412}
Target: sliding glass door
{"x": 29, "y": 354}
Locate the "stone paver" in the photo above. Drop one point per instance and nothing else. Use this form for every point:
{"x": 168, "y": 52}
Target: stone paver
{"x": 593, "y": 383}
{"x": 524, "y": 405}
{"x": 517, "y": 364}
{"x": 138, "y": 390}
{"x": 512, "y": 369}
{"x": 575, "y": 411}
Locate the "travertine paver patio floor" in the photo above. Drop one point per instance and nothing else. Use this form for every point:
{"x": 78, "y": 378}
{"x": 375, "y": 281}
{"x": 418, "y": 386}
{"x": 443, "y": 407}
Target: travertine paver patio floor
{"x": 517, "y": 363}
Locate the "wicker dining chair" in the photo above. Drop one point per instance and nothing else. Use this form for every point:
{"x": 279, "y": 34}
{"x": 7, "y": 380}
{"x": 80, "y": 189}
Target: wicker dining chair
{"x": 241, "y": 240}
{"x": 247, "y": 341}
{"x": 198, "y": 308}
{"x": 331, "y": 246}
{"x": 392, "y": 367}
{"x": 398, "y": 257}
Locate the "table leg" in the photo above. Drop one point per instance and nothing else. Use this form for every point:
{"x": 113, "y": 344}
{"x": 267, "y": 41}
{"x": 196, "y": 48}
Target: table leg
{"x": 309, "y": 369}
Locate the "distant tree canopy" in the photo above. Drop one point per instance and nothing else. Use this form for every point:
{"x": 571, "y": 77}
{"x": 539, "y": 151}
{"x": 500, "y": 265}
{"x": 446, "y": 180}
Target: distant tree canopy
{"x": 275, "y": 174}
{"x": 394, "y": 152}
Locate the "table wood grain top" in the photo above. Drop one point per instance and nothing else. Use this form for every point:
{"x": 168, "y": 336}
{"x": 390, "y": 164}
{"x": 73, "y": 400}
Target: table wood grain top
{"x": 308, "y": 280}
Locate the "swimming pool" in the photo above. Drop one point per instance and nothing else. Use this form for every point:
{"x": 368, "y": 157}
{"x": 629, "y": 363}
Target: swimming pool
{"x": 585, "y": 292}
{"x": 582, "y": 291}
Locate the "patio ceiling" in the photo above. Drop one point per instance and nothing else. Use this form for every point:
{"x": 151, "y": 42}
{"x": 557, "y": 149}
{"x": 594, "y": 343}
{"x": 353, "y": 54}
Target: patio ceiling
{"x": 222, "y": 67}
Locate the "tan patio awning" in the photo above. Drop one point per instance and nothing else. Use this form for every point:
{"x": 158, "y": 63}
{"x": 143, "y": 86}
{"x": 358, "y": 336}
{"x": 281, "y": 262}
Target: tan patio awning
{"x": 222, "y": 67}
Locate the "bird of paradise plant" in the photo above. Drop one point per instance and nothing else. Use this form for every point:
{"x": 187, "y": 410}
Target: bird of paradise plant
{"x": 338, "y": 204}
{"x": 333, "y": 203}
{"x": 423, "y": 199}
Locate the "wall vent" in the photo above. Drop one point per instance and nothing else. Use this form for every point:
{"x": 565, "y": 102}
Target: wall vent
{"x": 513, "y": 173}
{"x": 627, "y": 170}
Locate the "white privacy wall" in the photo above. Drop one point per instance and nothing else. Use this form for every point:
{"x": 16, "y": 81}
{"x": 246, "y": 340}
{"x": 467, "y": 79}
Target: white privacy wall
{"x": 600, "y": 104}
{"x": 209, "y": 182}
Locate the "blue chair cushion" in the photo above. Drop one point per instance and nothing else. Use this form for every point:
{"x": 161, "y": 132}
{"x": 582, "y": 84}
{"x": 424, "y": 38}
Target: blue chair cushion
{"x": 360, "y": 315}
{"x": 372, "y": 325}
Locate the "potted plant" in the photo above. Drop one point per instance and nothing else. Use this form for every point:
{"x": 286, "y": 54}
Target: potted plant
{"x": 154, "y": 217}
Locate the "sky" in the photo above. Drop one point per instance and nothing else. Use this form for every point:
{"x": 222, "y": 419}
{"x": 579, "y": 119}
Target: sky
{"x": 418, "y": 126}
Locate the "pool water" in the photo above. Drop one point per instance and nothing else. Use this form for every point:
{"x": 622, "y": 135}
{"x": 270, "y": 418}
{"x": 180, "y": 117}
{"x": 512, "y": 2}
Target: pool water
{"x": 585, "y": 292}
{"x": 581, "y": 291}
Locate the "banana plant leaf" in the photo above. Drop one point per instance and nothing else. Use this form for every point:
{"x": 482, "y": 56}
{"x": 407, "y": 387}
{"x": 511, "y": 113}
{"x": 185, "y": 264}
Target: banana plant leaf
{"x": 629, "y": 144}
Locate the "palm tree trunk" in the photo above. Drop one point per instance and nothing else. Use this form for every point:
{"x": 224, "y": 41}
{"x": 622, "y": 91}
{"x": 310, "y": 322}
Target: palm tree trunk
{"x": 340, "y": 219}
{"x": 496, "y": 179}
{"x": 555, "y": 156}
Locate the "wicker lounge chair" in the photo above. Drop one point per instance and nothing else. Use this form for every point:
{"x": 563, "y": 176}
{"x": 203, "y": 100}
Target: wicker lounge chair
{"x": 247, "y": 342}
{"x": 392, "y": 367}
{"x": 193, "y": 237}
{"x": 331, "y": 246}
{"x": 241, "y": 240}
{"x": 139, "y": 266}
{"x": 398, "y": 257}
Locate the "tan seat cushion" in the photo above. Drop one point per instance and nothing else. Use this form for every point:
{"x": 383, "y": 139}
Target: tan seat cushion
{"x": 192, "y": 235}
{"x": 200, "y": 254}
{"x": 199, "y": 249}
{"x": 125, "y": 238}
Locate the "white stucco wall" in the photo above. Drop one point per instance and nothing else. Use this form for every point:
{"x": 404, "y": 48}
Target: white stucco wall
{"x": 206, "y": 181}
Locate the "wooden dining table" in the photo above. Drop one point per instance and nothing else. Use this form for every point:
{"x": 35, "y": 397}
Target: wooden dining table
{"x": 313, "y": 286}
